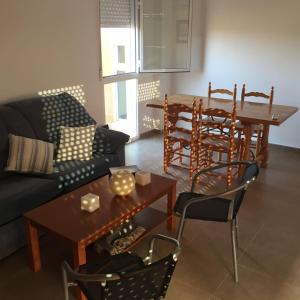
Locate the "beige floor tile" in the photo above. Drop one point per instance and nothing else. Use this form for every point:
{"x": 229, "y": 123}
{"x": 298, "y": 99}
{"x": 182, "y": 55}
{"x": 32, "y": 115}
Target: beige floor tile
{"x": 254, "y": 285}
{"x": 182, "y": 291}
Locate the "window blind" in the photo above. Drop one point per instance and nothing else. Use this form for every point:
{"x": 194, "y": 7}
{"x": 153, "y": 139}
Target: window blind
{"x": 115, "y": 13}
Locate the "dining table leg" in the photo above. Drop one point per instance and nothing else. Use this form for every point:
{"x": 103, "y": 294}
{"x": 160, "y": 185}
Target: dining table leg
{"x": 247, "y": 142}
{"x": 264, "y": 149}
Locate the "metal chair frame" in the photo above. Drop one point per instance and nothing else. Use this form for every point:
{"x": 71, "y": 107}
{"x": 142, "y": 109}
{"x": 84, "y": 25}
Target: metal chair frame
{"x": 70, "y": 276}
{"x": 233, "y": 219}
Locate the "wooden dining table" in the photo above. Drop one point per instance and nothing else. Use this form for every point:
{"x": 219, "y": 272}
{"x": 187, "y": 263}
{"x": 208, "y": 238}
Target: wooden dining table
{"x": 248, "y": 113}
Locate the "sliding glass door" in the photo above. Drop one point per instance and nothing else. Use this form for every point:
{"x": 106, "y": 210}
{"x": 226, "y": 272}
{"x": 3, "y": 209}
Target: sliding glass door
{"x": 118, "y": 51}
{"x": 164, "y": 28}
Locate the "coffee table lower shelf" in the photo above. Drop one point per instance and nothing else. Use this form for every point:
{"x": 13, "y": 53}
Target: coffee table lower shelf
{"x": 150, "y": 218}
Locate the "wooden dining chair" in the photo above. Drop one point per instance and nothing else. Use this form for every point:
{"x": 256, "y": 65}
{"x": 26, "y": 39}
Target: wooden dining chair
{"x": 258, "y": 129}
{"x": 214, "y": 145}
{"x": 180, "y": 132}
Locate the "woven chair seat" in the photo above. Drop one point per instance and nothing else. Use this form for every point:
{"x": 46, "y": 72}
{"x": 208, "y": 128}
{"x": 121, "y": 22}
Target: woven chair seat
{"x": 216, "y": 209}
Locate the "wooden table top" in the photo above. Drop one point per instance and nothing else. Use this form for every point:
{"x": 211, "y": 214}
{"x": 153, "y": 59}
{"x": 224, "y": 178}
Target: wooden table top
{"x": 64, "y": 217}
{"x": 252, "y": 112}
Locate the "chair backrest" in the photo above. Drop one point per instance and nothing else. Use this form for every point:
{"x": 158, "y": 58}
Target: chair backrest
{"x": 142, "y": 282}
{"x": 269, "y": 97}
{"x": 251, "y": 171}
{"x": 222, "y": 91}
{"x": 152, "y": 281}
{"x": 180, "y": 117}
{"x": 216, "y": 118}
{"x": 219, "y": 118}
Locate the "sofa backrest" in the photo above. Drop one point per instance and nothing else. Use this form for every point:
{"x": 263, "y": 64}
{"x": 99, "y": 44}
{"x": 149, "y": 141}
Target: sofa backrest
{"x": 11, "y": 121}
{"x": 40, "y": 118}
{"x": 31, "y": 110}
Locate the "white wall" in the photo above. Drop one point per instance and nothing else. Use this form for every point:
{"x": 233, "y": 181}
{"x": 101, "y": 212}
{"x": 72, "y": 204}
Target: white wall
{"x": 251, "y": 41}
{"x": 50, "y": 44}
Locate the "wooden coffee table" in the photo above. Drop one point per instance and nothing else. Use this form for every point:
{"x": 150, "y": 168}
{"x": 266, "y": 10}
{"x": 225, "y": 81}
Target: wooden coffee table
{"x": 63, "y": 217}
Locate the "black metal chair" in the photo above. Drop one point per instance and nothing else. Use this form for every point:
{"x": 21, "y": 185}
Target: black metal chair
{"x": 124, "y": 276}
{"x": 191, "y": 205}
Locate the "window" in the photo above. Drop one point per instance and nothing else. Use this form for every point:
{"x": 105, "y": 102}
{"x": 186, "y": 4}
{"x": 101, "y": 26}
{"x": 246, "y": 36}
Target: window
{"x": 165, "y": 35}
{"x": 164, "y": 40}
{"x": 118, "y": 41}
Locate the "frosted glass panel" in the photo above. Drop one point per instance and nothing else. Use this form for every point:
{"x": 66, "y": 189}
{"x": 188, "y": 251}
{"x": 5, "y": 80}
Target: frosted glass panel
{"x": 121, "y": 106}
{"x": 165, "y": 35}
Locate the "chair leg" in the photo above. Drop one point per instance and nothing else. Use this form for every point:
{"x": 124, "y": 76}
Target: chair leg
{"x": 192, "y": 161}
{"x": 165, "y": 155}
{"x": 180, "y": 229}
{"x": 65, "y": 282}
{"x": 233, "y": 239}
{"x": 237, "y": 232}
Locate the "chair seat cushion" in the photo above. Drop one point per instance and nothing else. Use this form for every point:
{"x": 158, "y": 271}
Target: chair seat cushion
{"x": 217, "y": 120}
{"x": 72, "y": 174}
{"x": 21, "y": 193}
{"x": 216, "y": 142}
{"x": 216, "y": 209}
{"x": 178, "y": 135}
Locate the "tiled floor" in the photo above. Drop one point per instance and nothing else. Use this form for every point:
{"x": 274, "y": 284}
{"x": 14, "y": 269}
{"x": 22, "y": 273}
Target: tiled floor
{"x": 269, "y": 254}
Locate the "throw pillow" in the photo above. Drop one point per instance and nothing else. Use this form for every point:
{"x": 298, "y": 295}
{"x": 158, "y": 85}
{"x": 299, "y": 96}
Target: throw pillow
{"x": 76, "y": 143}
{"x": 29, "y": 155}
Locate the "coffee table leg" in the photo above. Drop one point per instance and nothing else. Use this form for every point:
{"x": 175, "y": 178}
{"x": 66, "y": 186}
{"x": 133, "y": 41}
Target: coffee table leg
{"x": 79, "y": 258}
{"x": 33, "y": 246}
{"x": 170, "y": 206}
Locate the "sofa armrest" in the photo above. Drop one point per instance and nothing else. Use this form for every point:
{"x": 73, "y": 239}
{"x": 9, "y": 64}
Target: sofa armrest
{"x": 108, "y": 141}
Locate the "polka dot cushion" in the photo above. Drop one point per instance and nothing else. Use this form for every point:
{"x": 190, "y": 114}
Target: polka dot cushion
{"x": 76, "y": 143}
{"x": 63, "y": 110}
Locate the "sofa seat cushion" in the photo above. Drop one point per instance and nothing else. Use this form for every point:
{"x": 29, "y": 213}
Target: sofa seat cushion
{"x": 74, "y": 173}
{"x": 21, "y": 193}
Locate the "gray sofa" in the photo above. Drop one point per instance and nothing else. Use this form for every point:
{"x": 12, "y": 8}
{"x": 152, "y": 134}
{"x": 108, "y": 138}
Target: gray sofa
{"x": 40, "y": 118}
